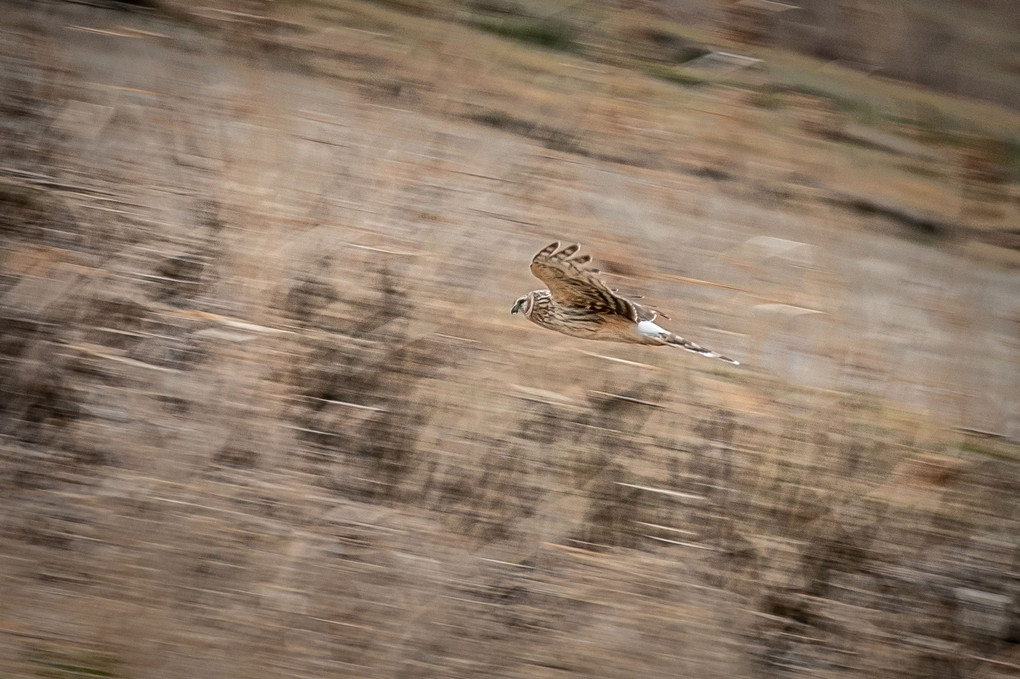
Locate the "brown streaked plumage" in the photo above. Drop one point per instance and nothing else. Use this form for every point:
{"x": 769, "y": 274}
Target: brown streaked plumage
{"x": 579, "y": 304}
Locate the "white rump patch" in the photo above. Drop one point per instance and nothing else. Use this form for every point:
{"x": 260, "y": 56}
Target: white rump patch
{"x": 650, "y": 329}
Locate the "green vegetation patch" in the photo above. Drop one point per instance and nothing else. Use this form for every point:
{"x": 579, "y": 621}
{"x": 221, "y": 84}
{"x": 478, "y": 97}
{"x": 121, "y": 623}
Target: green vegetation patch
{"x": 66, "y": 663}
{"x": 551, "y": 33}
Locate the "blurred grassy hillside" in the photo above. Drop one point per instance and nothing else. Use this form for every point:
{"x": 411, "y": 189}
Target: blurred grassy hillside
{"x": 265, "y": 412}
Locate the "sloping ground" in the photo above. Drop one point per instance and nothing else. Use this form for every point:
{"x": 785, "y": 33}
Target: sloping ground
{"x": 265, "y": 412}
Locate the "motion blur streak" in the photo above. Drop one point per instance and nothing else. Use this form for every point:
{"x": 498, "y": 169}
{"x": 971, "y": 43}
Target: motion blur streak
{"x": 264, "y": 412}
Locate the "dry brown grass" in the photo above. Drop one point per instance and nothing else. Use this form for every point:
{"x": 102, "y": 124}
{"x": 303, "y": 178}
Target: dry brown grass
{"x": 265, "y": 412}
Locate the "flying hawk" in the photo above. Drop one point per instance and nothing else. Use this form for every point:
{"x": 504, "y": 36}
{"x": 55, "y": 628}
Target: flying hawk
{"x": 579, "y": 304}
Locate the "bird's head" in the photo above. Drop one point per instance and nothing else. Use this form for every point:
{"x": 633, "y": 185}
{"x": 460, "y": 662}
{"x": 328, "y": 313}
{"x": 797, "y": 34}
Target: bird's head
{"x": 522, "y": 305}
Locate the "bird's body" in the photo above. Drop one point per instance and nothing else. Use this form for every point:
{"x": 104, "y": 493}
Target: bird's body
{"x": 579, "y": 304}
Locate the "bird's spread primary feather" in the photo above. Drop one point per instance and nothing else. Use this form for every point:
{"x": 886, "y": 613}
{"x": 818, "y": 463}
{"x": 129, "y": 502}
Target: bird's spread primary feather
{"x": 579, "y": 304}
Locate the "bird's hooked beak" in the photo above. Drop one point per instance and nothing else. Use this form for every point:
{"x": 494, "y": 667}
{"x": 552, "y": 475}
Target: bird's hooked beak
{"x": 517, "y": 305}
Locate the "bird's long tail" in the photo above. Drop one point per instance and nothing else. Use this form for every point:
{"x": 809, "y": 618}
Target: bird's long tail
{"x": 687, "y": 345}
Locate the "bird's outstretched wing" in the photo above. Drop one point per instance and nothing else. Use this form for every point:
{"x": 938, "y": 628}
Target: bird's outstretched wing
{"x": 572, "y": 284}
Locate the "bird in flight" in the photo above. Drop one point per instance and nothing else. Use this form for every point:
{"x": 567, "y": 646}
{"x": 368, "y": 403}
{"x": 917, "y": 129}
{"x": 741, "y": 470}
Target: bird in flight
{"x": 579, "y": 304}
